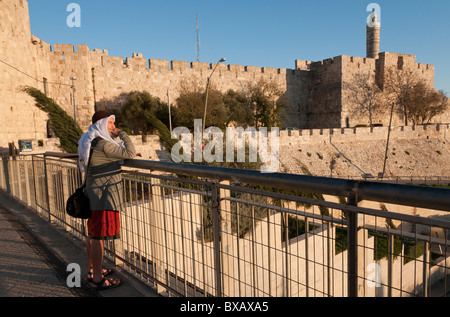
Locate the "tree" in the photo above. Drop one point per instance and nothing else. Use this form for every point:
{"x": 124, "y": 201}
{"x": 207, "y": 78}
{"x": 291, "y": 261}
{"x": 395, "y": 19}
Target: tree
{"x": 238, "y": 109}
{"x": 191, "y": 105}
{"x": 267, "y": 102}
{"x": 398, "y": 82}
{"x": 139, "y": 101}
{"x": 424, "y": 103}
{"x": 65, "y": 127}
{"x": 364, "y": 94}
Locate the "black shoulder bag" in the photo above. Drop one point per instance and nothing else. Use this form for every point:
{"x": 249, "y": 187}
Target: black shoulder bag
{"x": 77, "y": 205}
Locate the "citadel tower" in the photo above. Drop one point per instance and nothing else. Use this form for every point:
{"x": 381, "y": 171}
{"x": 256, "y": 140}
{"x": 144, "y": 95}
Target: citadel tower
{"x": 373, "y": 36}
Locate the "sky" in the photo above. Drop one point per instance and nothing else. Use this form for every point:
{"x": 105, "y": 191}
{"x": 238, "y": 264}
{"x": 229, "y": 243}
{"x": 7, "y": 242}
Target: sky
{"x": 265, "y": 33}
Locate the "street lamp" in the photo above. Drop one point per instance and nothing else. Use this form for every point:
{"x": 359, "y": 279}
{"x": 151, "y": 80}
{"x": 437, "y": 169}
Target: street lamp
{"x": 170, "y": 115}
{"x": 73, "y": 96}
{"x": 207, "y": 92}
{"x": 387, "y": 141}
{"x": 389, "y": 133}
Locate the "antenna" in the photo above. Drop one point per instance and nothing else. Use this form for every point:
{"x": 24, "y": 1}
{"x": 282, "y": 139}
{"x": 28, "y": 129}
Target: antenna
{"x": 198, "y": 40}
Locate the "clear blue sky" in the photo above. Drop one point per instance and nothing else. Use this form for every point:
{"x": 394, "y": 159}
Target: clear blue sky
{"x": 250, "y": 32}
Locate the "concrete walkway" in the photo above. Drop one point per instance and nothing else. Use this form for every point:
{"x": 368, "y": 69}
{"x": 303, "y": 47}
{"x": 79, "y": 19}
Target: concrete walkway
{"x": 34, "y": 256}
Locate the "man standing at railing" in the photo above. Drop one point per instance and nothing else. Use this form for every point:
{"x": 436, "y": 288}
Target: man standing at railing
{"x": 104, "y": 189}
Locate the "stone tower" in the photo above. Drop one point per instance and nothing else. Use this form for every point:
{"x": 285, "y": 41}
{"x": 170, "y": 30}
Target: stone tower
{"x": 373, "y": 36}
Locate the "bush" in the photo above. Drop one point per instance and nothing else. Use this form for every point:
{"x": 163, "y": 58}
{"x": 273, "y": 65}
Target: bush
{"x": 131, "y": 112}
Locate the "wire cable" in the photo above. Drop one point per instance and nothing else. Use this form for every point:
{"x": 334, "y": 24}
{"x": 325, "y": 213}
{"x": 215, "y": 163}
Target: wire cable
{"x": 40, "y": 81}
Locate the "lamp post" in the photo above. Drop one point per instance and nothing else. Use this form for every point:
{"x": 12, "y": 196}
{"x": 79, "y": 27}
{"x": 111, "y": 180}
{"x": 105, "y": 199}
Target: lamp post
{"x": 207, "y": 92}
{"x": 170, "y": 115}
{"x": 387, "y": 142}
{"x": 389, "y": 134}
{"x": 73, "y": 96}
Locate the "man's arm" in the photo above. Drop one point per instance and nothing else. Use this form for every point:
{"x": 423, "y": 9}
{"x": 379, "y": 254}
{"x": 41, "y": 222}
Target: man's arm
{"x": 113, "y": 151}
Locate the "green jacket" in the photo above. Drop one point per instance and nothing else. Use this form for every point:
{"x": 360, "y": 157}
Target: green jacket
{"x": 104, "y": 180}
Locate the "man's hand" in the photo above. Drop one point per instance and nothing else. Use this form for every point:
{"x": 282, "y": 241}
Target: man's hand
{"x": 115, "y": 132}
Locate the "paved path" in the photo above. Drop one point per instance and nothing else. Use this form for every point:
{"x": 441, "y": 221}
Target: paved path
{"x": 34, "y": 256}
{"x": 23, "y": 271}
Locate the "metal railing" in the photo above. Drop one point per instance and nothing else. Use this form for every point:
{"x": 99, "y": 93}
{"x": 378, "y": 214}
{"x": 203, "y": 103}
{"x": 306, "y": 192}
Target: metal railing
{"x": 399, "y": 179}
{"x": 195, "y": 230}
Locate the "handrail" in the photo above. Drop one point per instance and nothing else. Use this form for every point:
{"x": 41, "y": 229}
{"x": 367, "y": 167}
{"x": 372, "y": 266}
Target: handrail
{"x": 409, "y": 195}
{"x": 401, "y": 194}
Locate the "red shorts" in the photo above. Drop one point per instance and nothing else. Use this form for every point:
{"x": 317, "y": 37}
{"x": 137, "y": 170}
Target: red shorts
{"x": 104, "y": 224}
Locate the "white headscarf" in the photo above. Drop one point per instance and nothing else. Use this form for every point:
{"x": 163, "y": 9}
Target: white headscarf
{"x": 98, "y": 129}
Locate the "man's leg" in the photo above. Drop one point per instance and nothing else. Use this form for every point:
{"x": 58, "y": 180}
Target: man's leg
{"x": 96, "y": 258}
{"x": 88, "y": 250}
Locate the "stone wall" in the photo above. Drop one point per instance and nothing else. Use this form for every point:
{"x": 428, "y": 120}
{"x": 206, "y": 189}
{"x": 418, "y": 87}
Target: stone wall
{"x": 419, "y": 152}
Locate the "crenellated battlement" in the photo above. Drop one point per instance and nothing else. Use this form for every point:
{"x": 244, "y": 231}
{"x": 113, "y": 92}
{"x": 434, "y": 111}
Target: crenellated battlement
{"x": 138, "y": 62}
{"x": 298, "y": 137}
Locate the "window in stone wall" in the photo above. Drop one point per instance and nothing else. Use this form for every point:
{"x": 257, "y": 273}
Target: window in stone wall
{"x": 400, "y": 63}
{"x": 44, "y": 81}
{"x": 50, "y": 133}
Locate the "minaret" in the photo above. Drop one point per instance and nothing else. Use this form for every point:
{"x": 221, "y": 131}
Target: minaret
{"x": 373, "y": 36}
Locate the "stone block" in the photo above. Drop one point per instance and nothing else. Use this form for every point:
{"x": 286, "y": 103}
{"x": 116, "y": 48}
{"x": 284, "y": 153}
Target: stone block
{"x": 199, "y": 65}
{"x": 159, "y": 64}
{"x": 63, "y": 48}
{"x": 179, "y": 65}
{"x": 252, "y": 69}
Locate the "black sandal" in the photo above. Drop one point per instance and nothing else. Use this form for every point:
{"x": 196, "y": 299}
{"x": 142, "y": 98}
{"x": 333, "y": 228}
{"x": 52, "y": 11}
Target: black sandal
{"x": 105, "y": 272}
{"x": 101, "y": 285}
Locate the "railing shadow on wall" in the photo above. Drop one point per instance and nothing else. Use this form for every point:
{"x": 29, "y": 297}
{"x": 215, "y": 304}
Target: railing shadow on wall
{"x": 193, "y": 230}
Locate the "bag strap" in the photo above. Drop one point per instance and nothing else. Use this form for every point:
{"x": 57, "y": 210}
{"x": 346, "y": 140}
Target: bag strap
{"x": 93, "y": 144}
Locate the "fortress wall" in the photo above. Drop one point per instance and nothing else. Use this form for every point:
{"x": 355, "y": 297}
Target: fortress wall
{"x": 406, "y": 61}
{"x": 22, "y": 62}
{"x": 420, "y": 151}
{"x": 376, "y": 71}
{"x": 114, "y": 79}
{"x": 325, "y": 93}
{"x": 66, "y": 63}
{"x": 354, "y": 71}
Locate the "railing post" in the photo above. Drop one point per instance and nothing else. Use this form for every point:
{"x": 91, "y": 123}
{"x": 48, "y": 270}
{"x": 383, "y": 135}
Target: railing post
{"x": 27, "y": 183}
{"x": 352, "y": 254}
{"x": 286, "y": 254}
{"x": 34, "y": 183}
{"x": 216, "y": 224}
{"x": 226, "y": 241}
{"x": 390, "y": 262}
{"x": 19, "y": 180}
{"x": 425, "y": 275}
{"x": 307, "y": 260}
{"x": 6, "y": 174}
{"x": 11, "y": 164}
{"x": 47, "y": 188}
{"x": 329, "y": 250}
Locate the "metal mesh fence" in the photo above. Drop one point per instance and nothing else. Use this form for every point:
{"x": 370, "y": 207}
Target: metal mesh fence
{"x": 203, "y": 236}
